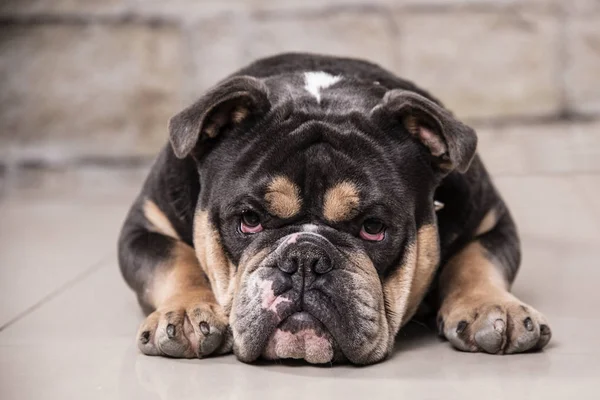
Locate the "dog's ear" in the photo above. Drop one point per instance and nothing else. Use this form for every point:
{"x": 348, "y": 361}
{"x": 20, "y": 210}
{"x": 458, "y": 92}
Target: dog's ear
{"x": 226, "y": 105}
{"x": 451, "y": 143}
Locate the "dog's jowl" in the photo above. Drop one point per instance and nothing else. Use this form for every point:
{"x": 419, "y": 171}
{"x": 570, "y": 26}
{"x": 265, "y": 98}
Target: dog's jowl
{"x": 297, "y": 213}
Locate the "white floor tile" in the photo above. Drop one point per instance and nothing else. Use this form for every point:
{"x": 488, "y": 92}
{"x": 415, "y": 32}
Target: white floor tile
{"x": 44, "y": 245}
{"x": 81, "y": 343}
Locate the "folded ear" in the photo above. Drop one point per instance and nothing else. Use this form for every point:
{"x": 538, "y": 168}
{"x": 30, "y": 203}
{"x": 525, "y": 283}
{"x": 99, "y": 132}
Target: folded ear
{"x": 450, "y": 142}
{"x": 229, "y": 104}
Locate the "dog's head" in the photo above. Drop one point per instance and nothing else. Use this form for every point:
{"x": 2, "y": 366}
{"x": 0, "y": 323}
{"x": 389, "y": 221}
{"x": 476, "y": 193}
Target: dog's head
{"x": 316, "y": 222}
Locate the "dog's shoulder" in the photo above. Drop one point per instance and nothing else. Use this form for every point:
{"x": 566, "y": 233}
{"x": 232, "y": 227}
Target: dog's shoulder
{"x": 171, "y": 191}
{"x": 468, "y": 198}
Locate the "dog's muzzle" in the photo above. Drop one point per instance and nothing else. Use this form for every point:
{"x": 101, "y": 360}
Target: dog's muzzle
{"x": 303, "y": 258}
{"x": 308, "y": 299}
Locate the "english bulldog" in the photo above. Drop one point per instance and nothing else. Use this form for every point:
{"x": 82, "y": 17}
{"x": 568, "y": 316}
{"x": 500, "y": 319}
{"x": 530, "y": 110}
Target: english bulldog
{"x": 308, "y": 207}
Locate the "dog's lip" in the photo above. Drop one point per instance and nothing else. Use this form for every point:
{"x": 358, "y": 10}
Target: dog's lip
{"x": 303, "y": 318}
{"x": 301, "y": 336}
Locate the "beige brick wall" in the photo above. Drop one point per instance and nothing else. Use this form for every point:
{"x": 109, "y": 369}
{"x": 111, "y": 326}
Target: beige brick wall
{"x": 94, "y": 81}
{"x": 85, "y": 90}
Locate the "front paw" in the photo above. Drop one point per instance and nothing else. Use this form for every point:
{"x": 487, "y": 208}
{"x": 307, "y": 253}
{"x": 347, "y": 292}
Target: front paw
{"x": 498, "y": 326}
{"x": 185, "y": 329}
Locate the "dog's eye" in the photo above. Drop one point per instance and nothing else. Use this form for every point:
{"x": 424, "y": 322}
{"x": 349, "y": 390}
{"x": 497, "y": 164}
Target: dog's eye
{"x": 372, "y": 230}
{"x": 250, "y": 222}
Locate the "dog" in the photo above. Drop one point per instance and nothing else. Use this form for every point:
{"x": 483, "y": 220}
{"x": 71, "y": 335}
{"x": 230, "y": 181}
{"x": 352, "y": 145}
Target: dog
{"x": 308, "y": 207}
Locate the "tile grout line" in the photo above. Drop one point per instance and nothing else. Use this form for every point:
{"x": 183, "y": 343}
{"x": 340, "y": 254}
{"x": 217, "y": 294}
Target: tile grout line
{"x": 55, "y": 293}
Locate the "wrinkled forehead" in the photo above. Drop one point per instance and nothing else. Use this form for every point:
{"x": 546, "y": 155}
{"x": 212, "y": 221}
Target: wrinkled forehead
{"x": 323, "y": 91}
{"x": 321, "y": 154}
{"x": 323, "y": 181}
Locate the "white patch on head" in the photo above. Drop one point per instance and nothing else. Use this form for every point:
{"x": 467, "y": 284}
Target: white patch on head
{"x": 309, "y": 228}
{"x": 314, "y": 234}
{"x": 315, "y": 81}
{"x": 293, "y": 237}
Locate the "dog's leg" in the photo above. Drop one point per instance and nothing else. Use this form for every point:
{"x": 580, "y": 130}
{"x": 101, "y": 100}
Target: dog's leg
{"x": 478, "y": 313}
{"x": 185, "y": 320}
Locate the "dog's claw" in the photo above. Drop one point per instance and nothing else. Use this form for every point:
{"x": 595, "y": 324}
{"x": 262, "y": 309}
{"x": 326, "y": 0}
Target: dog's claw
{"x": 145, "y": 337}
{"x": 504, "y": 327}
{"x": 204, "y": 328}
{"x": 171, "y": 331}
{"x": 185, "y": 331}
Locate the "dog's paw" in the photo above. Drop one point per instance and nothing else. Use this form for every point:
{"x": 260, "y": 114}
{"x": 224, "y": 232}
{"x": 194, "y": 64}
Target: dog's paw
{"x": 185, "y": 331}
{"x": 502, "y": 326}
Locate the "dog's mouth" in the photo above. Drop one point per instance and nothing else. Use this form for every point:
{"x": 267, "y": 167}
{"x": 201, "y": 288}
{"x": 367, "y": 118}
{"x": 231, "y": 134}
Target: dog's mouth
{"x": 301, "y": 336}
{"x": 320, "y": 316}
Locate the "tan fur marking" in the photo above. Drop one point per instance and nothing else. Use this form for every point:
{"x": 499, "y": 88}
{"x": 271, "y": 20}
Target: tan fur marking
{"x": 470, "y": 271}
{"x": 239, "y": 114}
{"x": 341, "y": 202}
{"x": 380, "y": 345}
{"x": 412, "y": 125}
{"x": 488, "y": 222}
{"x": 468, "y": 280}
{"x": 428, "y": 257}
{"x": 215, "y": 123}
{"x": 213, "y": 260}
{"x": 211, "y": 130}
{"x": 220, "y": 119}
{"x": 283, "y": 197}
{"x": 181, "y": 276}
{"x": 405, "y": 288}
{"x": 396, "y": 289}
{"x": 435, "y": 144}
{"x": 158, "y": 220}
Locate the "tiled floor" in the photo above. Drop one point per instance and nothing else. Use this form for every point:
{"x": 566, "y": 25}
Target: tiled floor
{"x": 68, "y": 320}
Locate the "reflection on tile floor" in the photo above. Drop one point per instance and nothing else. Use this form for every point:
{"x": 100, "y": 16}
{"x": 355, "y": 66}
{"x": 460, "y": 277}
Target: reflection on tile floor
{"x": 69, "y": 320}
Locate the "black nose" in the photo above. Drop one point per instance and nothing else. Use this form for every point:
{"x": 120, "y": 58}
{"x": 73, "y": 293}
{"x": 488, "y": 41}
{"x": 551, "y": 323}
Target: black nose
{"x": 306, "y": 257}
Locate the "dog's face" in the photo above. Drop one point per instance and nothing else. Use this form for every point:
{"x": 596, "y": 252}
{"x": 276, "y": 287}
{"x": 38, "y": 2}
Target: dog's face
{"x": 315, "y": 223}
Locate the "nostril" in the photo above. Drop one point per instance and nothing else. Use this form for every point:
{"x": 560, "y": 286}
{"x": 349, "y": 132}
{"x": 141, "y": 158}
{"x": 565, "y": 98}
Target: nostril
{"x": 322, "y": 265}
{"x": 288, "y": 265}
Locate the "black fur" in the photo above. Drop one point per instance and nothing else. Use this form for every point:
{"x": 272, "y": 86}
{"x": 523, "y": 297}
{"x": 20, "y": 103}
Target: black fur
{"x": 317, "y": 145}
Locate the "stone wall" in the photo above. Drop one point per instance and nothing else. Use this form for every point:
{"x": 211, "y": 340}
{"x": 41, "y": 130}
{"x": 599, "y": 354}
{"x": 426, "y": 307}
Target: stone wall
{"x": 93, "y": 82}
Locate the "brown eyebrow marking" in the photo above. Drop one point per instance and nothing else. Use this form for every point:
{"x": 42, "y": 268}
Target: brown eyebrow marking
{"x": 283, "y": 197}
{"x": 341, "y": 202}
